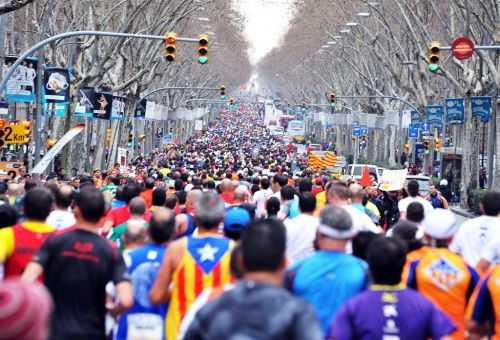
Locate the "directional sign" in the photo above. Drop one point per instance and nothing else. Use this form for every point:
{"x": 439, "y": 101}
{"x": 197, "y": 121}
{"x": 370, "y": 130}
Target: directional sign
{"x": 364, "y": 131}
{"x": 413, "y": 132}
{"x": 462, "y": 48}
{"x": 356, "y": 131}
{"x": 14, "y": 134}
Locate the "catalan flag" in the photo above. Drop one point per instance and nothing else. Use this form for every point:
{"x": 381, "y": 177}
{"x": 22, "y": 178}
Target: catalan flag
{"x": 317, "y": 162}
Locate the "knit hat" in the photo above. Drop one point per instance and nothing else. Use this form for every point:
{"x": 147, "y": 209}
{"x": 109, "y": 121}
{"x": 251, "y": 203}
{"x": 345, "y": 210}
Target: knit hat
{"x": 236, "y": 219}
{"x": 24, "y": 310}
{"x": 440, "y": 224}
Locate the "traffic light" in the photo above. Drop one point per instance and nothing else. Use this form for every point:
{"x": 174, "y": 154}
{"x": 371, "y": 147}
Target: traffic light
{"x": 333, "y": 98}
{"x": 407, "y": 148}
{"x": 130, "y": 140}
{"x": 438, "y": 144}
{"x": 27, "y": 127}
{"x": 203, "y": 49}
{"x": 231, "y": 101}
{"x": 50, "y": 143}
{"x": 222, "y": 91}
{"x": 170, "y": 46}
{"x": 142, "y": 138}
{"x": 434, "y": 56}
{"x": 109, "y": 137}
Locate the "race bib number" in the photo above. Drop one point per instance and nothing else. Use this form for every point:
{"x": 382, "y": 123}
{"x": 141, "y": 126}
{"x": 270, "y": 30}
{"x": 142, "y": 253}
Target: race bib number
{"x": 143, "y": 326}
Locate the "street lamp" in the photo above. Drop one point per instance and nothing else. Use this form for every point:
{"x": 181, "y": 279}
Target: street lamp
{"x": 345, "y": 30}
{"x": 204, "y": 19}
{"x": 363, "y": 14}
{"x": 351, "y": 24}
{"x": 331, "y": 42}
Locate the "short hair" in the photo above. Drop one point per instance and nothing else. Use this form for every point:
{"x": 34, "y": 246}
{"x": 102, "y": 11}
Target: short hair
{"x": 161, "y": 226}
{"x": 413, "y": 188}
{"x": 265, "y": 183}
{"x": 386, "y": 258}
{"x": 406, "y": 231}
{"x": 135, "y": 232}
{"x": 149, "y": 183}
{"x": 305, "y": 185}
{"x": 90, "y": 201}
{"x": 29, "y": 184}
{"x": 361, "y": 242}
{"x": 64, "y": 196}
{"x": 209, "y": 210}
{"x": 340, "y": 191}
{"x": 415, "y": 212}
{"x": 130, "y": 191}
{"x": 307, "y": 202}
{"x": 273, "y": 206}
{"x": 159, "y": 197}
{"x": 210, "y": 185}
{"x": 491, "y": 203}
{"x": 281, "y": 180}
{"x": 171, "y": 201}
{"x": 287, "y": 193}
{"x": 38, "y": 204}
{"x": 137, "y": 206}
{"x": 336, "y": 217}
{"x": 178, "y": 185}
{"x": 263, "y": 246}
{"x": 115, "y": 180}
{"x": 8, "y": 216}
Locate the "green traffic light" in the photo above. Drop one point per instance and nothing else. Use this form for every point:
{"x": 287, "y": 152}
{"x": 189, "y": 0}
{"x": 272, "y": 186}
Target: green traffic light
{"x": 433, "y": 68}
{"x": 202, "y": 60}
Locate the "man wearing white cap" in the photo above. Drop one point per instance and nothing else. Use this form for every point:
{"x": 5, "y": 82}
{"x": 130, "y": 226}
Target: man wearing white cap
{"x": 441, "y": 275}
{"x": 330, "y": 277}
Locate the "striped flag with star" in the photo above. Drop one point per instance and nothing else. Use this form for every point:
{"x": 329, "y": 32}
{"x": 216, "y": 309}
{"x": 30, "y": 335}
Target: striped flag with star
{"x": 205, "y": 264}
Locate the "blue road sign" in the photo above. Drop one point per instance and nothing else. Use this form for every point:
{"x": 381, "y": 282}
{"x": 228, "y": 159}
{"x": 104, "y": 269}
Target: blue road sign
{"x": 356, "y": 131}
{"x": 481, "y": 107}
{"x": 413, "y": 132}
{"x": 455, "y": 110}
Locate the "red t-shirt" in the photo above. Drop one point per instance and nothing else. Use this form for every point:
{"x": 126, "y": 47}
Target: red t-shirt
{"x": 147, "y": 196}
{"x": 122, "y": 215}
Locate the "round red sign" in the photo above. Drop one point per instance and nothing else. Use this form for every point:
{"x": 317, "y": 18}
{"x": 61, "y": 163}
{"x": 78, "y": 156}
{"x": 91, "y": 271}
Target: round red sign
{"x": 462, "y": 48}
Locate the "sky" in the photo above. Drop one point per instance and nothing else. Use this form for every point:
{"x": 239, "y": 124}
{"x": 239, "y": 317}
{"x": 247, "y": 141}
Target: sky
{"x": 266, "y": 23}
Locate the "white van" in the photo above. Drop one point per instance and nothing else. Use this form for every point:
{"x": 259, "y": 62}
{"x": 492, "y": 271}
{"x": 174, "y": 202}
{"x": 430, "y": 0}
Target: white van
{"x": 356, "y": 171}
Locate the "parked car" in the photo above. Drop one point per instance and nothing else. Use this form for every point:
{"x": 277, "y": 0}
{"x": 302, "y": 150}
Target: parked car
{"x": 423, "y": 183}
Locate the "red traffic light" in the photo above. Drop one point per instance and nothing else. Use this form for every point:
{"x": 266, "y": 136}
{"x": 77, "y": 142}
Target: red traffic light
{"x": 170, "y": 46}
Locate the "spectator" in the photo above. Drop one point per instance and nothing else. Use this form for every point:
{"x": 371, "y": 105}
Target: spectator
{"x": 414, "y": 196}
{"x": 273, "y": 207}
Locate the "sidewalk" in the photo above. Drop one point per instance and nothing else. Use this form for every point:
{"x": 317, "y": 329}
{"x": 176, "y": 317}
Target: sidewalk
{"x": 462, "y": 212}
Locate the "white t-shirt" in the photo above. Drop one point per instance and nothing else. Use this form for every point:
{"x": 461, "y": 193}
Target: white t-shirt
{"x": 259, "y": 199}
{"x": 61, "y": 219}
{"x": 360, "y": 220}
{"x": 491, "y": 252}
{"x": 300, "y": 235}
{"x": 473, "y": 237}
{"x": 405, "y": 202}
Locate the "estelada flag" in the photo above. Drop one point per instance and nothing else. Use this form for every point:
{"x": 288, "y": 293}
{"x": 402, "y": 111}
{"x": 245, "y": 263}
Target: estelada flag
{"x": 366, "y": 180}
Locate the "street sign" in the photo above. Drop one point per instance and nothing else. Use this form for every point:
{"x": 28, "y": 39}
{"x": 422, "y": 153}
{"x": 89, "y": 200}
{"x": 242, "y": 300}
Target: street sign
{"x": 413, "y": 132}
{"x": 426, "y": 128}
{"x": 462, "y": 48}
{"x": 435, "y": 115}
{"x": 364, "y": 131}
{"x": 455, "y": 109}
{"x": 14, "y": 134}
{"x": 167, "y": 139}
{"x": 356, "y": 131}
{"x": 481, "y": 107}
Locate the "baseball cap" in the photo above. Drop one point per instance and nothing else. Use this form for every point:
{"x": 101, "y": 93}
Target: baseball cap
{"x": 440, "y": 224}
{"x": 236, "y": 219}
{"x": 25, "y": 310}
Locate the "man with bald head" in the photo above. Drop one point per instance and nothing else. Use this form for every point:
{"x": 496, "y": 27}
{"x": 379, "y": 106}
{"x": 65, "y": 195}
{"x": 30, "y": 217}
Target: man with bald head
{"x": 62, "y": 217}
{"x": 358, "y": 200}
{"x": 227, "y": 191}
{"x": 185, "y": 221}
{"x": 143, "y": 264}
{"x": 137, "y": 208}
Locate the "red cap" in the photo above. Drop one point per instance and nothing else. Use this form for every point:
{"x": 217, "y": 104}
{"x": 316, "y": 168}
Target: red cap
{"x": 24, "y": 310}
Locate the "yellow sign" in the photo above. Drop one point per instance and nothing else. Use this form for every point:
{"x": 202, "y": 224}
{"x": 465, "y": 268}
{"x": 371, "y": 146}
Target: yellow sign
{"x": 14, "y": 134}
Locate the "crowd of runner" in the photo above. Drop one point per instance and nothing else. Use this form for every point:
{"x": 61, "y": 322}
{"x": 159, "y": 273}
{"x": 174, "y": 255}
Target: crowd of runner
{"x": 232, "y": 236}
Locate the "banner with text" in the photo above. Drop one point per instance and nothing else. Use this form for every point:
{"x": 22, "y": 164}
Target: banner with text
{"x": 455, "y": 110}
{"x": 481, "y": 108}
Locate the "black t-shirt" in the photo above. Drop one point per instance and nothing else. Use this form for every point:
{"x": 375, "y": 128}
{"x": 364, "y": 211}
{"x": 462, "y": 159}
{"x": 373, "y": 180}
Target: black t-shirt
{"x": 77, "y": 266}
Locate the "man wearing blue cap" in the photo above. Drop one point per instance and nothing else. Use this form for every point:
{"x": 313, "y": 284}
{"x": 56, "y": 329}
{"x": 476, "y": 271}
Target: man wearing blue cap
{"x": 236, "y": 220}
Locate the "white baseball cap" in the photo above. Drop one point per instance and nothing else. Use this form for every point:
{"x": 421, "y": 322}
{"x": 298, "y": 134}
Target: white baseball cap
{"x": 440, "y": 224}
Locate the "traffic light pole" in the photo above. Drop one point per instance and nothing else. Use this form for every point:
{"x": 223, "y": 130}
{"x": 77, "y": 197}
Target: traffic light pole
{"x": 38, "y": 46}
{"x": 178, "y": 88}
